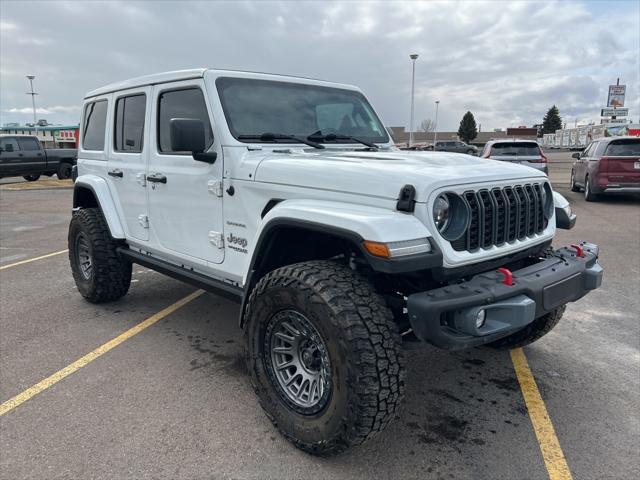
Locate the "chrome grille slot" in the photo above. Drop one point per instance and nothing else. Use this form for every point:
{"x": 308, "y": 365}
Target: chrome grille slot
{"x": 502, "y": 215}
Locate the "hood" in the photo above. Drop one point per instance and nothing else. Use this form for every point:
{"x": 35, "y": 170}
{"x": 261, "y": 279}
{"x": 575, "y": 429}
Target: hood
{"x": 383, "y": 174}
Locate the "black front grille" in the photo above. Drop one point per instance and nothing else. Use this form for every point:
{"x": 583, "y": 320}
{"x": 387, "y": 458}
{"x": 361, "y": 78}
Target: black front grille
{"x": 502, "y": 215}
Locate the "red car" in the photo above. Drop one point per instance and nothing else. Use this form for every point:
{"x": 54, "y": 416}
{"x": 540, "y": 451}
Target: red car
{"x": 607, "y": 165}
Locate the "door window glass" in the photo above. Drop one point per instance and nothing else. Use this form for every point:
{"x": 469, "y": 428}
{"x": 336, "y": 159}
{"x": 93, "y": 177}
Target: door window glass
{"x": 129, "y": 126}
{"x": 95, "y": 122}
{"x": 186, "y": 103}
{"x": 27, "y": 143}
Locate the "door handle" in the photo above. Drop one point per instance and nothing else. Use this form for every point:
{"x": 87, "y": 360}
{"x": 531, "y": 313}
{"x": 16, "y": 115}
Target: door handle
{"x": 115, "y": 173}
{"x": 157, "y": 178}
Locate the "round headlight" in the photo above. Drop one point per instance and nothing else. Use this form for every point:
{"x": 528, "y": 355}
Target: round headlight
{"x": 441, "y": 212}
{"x": 451, "y": 215}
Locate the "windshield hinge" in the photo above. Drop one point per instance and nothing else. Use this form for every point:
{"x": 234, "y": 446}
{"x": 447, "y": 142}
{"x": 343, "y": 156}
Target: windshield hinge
{"x": 216, "y": 239}
{"x": 143, "y": 220}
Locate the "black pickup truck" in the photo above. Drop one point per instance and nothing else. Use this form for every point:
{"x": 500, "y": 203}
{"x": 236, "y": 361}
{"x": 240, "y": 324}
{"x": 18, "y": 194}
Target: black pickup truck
{"x": 23, "y": 155}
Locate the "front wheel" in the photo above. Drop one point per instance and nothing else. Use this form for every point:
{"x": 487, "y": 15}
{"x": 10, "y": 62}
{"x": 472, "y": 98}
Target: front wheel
{"x": 470, "y": 152}
{"x": 574, "y": 187}
{"x": 324, "y": 356}
{"x": 101, "y": 275}
{"x": 31, "y": 178}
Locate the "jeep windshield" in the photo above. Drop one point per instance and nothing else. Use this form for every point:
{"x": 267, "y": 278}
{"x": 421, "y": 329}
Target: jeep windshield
{"x": 327, "y": 115}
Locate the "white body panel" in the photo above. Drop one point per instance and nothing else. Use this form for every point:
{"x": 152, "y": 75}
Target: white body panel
{"x": 338, "y": 186}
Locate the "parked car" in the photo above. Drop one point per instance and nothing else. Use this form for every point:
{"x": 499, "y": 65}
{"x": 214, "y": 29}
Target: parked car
{"x": 23, "y": 156}
{"x": 455, "y": 146}
{"x": 288, "y": 196}
{"x": 607, "y": 165}
{"x": 524, "y": 152}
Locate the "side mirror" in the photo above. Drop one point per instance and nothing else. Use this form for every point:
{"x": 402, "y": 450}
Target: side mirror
{"x": 187, "y": 135}
{"x": 576, "y": 155}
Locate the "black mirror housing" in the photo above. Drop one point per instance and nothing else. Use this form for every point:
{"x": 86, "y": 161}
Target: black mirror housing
{"x": 576, "y": 155}
{"x": 187, "y": 135}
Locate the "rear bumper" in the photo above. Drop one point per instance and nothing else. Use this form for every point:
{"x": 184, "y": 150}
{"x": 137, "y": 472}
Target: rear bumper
{"x": 446, "y": 317}
{"x": 621, "y": 188}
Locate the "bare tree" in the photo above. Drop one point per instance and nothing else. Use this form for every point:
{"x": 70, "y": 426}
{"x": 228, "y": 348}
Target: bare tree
{"x": 427, "y": 125}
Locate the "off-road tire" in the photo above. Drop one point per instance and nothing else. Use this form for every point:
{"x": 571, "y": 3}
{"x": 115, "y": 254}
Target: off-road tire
{"x": 363, "y": 345}
{"x": 64, "y": 171}
{"x": 574, "y": 186}
{"x": 589, "y": 194}
{"x": 110, "y": 276}
{"x": 31, "y": 178}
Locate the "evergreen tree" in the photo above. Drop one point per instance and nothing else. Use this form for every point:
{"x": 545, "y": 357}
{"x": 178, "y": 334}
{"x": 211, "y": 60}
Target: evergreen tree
{"x": 468, "y": 129}
{"x": 551, "y": 121}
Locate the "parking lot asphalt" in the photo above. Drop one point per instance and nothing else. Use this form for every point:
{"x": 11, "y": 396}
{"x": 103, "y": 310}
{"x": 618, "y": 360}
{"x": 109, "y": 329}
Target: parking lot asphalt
{"x": 174, "y": 401}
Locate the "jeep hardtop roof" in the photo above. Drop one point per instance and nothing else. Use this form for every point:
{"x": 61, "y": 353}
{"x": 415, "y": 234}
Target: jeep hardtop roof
{"x": 178, "y": 75}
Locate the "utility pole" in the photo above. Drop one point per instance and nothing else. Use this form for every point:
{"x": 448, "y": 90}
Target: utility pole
{"x": 435, "y": 127}
{"x": 33, "y": 103}
{"x": 413, "y": 58}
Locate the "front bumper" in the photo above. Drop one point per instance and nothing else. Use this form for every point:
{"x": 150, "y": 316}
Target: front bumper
{"x": 446, "y": 316}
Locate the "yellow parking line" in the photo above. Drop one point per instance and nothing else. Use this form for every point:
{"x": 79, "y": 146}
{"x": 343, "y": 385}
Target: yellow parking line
{"x": 29, "y": 260}
{"x": 547, "y": 439}
{"x": 91, "y": 356}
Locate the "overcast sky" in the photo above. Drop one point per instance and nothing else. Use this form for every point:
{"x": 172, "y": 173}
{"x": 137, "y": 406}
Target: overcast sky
{"x": 507, "y": 62}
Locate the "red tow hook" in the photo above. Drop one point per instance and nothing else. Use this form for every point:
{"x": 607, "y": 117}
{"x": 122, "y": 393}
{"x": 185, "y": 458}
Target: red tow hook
{"x": 579, "y": 250}
{"x": 508, "y": 276}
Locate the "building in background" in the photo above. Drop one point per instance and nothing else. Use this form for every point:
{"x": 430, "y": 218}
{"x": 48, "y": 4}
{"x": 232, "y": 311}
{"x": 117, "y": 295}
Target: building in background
{"x": 401, "y": 136}
{"x": 51, "y": 136}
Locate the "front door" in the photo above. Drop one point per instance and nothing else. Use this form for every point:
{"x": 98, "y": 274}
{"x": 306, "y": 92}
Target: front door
{"x": 185, "y": 195}
{"x": 128, "y": 155}
{"x": 31, "y": 155}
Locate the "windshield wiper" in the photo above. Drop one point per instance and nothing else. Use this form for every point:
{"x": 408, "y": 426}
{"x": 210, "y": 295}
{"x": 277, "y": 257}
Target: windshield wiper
{"x": 330, "y": 137}
{"x": 270, "y": 137}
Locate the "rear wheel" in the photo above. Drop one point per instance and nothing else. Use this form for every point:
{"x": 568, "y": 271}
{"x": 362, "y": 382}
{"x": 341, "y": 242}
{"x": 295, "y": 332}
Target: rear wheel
{"x": 101, "y": 275}
{"x": 324, "y": 356}
{"x": 470, "y": 152}
{"x": 31, "y": 178}
{"x": 589, "y": 195}
{"x": 64, "y": 171}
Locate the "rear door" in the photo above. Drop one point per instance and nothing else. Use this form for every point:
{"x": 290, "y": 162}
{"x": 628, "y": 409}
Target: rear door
{"x": 9, "y": 156}
{"x": 128, "y": 155}
{"x": 31, "y": 156}
{"x": 622, "y": 161}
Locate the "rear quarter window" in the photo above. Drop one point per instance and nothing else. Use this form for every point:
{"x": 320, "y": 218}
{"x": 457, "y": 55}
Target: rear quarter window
{"x": 94, "y": 125}
{"x": 628, "y": 147}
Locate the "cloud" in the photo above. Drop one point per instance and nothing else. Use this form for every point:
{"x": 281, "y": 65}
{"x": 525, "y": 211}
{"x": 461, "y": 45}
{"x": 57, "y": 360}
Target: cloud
{"x": 45, "y": 110}
{"x": 507, "y": 62}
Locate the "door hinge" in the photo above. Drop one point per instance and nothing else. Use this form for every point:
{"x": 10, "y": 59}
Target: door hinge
{"x": 215, "y": 187}
{"x": 216, "y": 238}
{"x": 143, "y": 220}
{"x": 141, "y": 179}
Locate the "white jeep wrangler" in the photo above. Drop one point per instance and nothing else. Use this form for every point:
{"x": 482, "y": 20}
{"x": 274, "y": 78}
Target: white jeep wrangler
{"x": 287, "y": 195}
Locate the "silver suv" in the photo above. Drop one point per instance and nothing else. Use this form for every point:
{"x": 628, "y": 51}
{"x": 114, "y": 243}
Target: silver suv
{"x": 524, "y": 152}
{"x": 456, "y": 146}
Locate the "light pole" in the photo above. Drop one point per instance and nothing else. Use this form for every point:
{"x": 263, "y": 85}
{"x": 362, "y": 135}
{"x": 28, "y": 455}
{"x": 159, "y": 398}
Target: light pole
{"x": 413, "y": 58}
{"x": 33, "y": 102}
{"x": 435, "y": 127}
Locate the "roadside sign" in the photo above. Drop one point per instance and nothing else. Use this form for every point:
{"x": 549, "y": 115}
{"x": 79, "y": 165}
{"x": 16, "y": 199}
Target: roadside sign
{"x": 64, "y": 136}
{"x": 614, "y": 112}
{"x": 616, "y": 96}
{"x": 613, "y": 120}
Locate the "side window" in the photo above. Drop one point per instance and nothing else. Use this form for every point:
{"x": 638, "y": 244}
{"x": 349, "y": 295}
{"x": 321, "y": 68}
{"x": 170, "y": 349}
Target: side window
{"x": 599, "y": 150}
{"x": 186, "y": 103}
{"x": 129, "y": 123}
{"x": 589, "y": 150}
{"x": 95, "y": 122}
{"x": 27, "y": 143}
{"x": 9, "y": 145}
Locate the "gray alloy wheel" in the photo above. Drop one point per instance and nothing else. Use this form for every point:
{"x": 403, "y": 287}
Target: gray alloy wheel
{"x": 299, "y": 361}
{"x": 83, "y": 256}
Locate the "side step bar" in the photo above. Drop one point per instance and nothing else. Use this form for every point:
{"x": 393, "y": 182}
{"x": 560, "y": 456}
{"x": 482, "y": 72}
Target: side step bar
{"x": 199, "y": 280}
